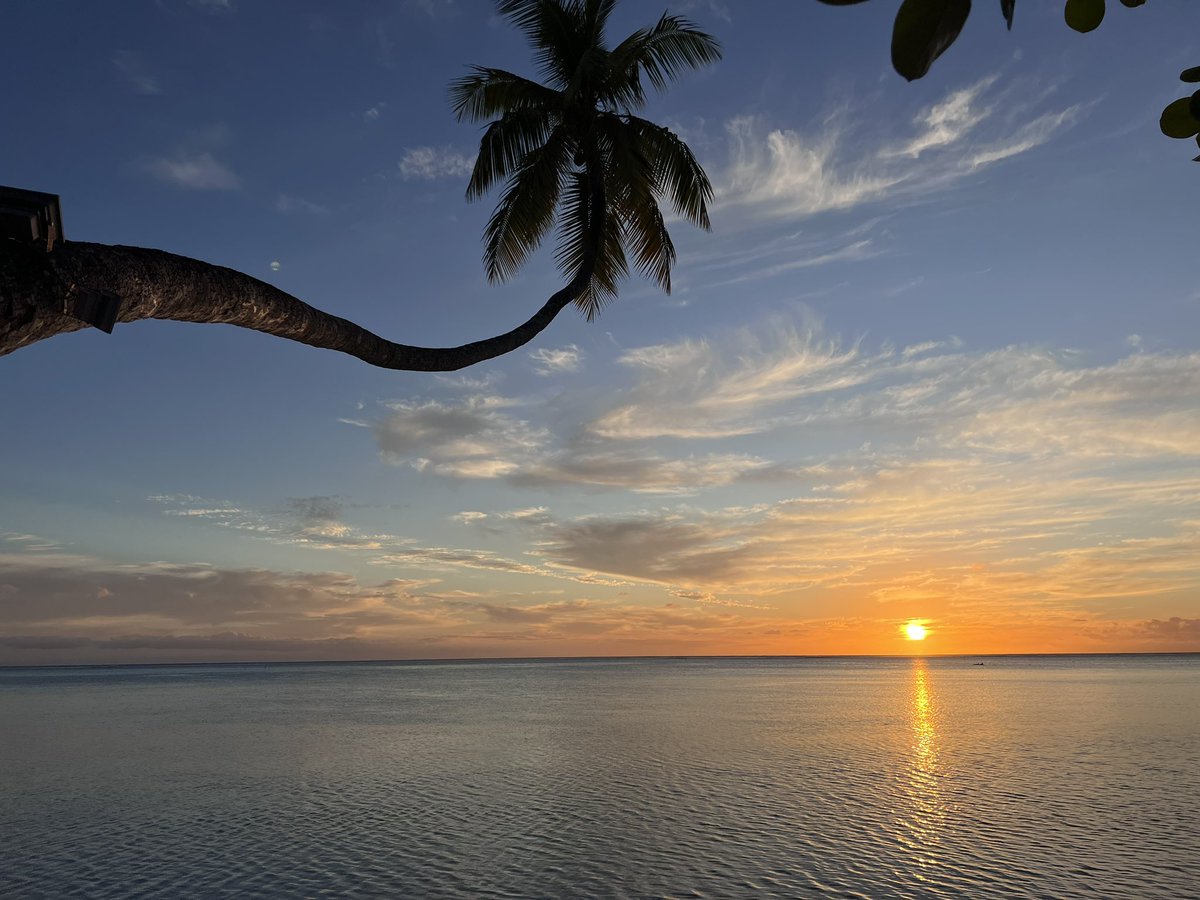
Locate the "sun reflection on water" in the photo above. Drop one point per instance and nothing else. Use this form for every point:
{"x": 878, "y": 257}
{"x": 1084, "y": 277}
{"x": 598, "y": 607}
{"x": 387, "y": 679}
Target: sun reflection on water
{"x": 926, "y": 815}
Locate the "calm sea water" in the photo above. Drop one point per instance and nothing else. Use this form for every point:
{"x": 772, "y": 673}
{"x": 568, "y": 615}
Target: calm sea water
{"x": 1046, "y": 777}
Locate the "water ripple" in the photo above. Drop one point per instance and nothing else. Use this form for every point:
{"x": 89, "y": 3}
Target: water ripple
{"x": 671, "y": 779}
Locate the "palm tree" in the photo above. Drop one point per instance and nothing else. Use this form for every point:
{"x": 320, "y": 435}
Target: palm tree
{"x": 571, "y": 147}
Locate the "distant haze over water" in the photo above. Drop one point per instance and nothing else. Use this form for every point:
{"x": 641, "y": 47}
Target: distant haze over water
{"x": 1071, "y": 776}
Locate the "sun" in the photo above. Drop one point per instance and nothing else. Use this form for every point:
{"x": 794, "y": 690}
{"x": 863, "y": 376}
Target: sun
{"x": 915, "y": 631}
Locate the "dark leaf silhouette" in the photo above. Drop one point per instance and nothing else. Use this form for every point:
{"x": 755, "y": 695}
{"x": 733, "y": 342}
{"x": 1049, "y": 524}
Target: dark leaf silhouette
{"x": 1007, "y": 7}
{"x": 923, "y": 31}
{"x": 1177, "y": 120}
{"x": 1084, "y": 15}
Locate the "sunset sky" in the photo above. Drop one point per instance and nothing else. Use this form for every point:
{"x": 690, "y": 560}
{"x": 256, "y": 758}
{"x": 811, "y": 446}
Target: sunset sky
{"x": 938, "y": 360}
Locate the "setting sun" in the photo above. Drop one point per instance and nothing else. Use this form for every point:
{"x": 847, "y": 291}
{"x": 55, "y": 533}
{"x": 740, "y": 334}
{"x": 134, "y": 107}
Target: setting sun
{"x": 915, "y": 631}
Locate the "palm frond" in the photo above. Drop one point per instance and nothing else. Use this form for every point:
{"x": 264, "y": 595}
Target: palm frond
{"x": 557, "y": 31}
{"x": 505, "y": 145}
{"x": 677, "y": 173}
{"x": 630, "y": 185}
{"x": 649, "y": 241}
{"x": 591, "y": 243}
{"x": 526, "y": 209}
{"x": 487, "y": 93}
{"x": 596, "y": 13}
{"x": 663, "y": 51}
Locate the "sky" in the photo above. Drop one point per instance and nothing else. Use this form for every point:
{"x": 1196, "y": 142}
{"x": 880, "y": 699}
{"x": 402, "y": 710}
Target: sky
{"x": 937, "y": 361}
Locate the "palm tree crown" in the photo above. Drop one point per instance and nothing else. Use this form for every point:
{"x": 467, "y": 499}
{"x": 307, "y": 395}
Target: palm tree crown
{"x": 572, "y": 147}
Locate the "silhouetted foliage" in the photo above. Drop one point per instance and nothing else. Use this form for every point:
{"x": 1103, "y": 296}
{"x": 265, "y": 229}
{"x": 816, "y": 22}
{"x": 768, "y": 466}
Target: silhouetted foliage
{"x": 925, "y": 29}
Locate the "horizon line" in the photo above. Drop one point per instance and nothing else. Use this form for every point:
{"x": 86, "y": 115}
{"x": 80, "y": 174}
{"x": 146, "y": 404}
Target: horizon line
{"x": 656, "y": 656}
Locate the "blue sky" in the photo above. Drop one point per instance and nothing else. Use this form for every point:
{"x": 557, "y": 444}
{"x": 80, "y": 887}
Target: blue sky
{"x": 937, "y": 359}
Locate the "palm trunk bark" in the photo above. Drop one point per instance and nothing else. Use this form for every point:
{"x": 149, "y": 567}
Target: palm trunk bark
{"x": 153, "y": 284}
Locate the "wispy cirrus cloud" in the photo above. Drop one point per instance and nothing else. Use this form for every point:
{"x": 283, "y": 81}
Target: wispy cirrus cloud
{"x": 699, "y": 389}
{"x": 784, "y": 173}
{"x": 1015, "y": 399}
{"x": 946, "y": 122}
{"x": 840, "y": 164}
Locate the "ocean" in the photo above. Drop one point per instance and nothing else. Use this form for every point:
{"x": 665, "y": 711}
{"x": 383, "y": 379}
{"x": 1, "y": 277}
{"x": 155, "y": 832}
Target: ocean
{"x": 1068, "y": 776}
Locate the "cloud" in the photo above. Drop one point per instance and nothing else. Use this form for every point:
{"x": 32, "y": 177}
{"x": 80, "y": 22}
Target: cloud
{"x": 791, "y": 379}
{"x": 697, "y": 389}
{"x": 662, "y": 547}
{"x": 844, "y": 163}
{"x": 637, "y": 471}
{"x": 1032, "y": 134}
{"x": 1012, "y": 400}
{"x": 81, "y": 609}
{"x": 198, "y": 171}
{"x": 549, "y": 361}
{"x": 1015, "y": 489}
{"x": 471, "y": 438}
{"x": 1017, "y": 476}
{"x": 314, "y": 510}
{"x": 948, "y": 535}
{"x": 1177, "y": 632}
{"x": 288, "y": 203}
{"x": 854, "y": 251}
{"x": 317, "y": 523}
{"x": 785, "y": 173}
{"x": 1035, "y": 403}
{"x": 947, "y": 122}
{"x": 317, "y": 517}
{"x": 430, "y": 163}
{"x": 134, "y": 71}
{"x": 474, "y": 438}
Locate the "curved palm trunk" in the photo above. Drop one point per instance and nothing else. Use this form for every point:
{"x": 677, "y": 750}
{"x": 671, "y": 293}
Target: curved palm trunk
{"x": 35, "y": 288}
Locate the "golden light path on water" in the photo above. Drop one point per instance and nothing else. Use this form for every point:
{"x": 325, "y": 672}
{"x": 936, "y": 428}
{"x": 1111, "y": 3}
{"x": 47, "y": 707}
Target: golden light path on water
{"x": 926, "y": 816}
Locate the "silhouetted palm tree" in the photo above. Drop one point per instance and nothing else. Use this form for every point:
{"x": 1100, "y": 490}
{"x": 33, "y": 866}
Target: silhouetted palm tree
{"x": 572, "y": 146}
